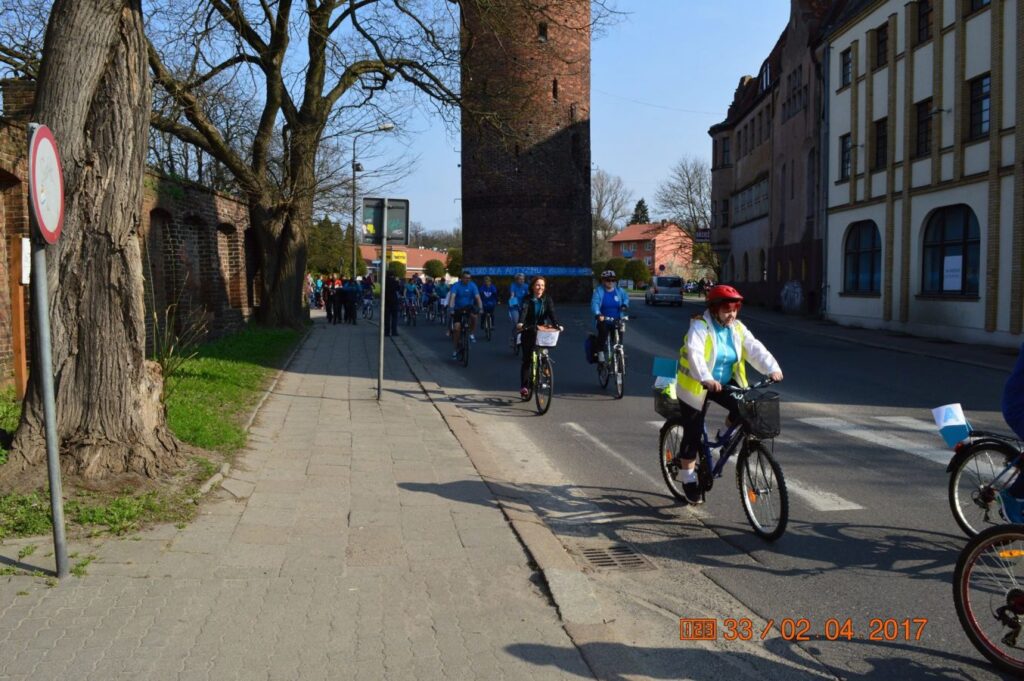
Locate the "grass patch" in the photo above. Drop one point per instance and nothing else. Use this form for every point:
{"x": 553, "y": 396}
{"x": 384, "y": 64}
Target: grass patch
{"x": 78, "y": 569}
{"x": 205, "y": 469}
{"x": 26, "y": 551}
{"x": 212, "y": 394}
{"x": 10, "y": 414}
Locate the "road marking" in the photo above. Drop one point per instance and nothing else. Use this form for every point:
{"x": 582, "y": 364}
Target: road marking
{"x": 815, "y": 497}
{"x": 582, "y": 432}
{"x": 911, "y": 423}
{"x": 880, "y": 438}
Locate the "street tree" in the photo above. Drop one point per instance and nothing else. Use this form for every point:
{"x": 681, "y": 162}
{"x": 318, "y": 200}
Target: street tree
{"x": 640, "y": 215}
{"x": 346, "y": 250}
{"x": 637, "y": 271}
{"x": 416, "y": 232}
{"x": 686, "y": 198}
{"x": 617, "y": 265}
{"x": 609, "y": 199}
{"x": 441, "y": 238}
{"x": 326, "y": 246}
{"x": 433, "y": 268}
{"x": 94, "y": 92}
{"x": 398, "y": 269}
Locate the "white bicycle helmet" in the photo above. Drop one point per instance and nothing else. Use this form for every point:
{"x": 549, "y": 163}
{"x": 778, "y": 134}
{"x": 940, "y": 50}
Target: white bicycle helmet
{"x": 609, "y": 274}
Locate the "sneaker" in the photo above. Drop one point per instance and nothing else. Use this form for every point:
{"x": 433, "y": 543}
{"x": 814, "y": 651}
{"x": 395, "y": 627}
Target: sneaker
{"x": 600, "y": 357}
{"x": 524, "y": 393}
{"x": 455, "y": 355}
{"x": 472, "y": 338}
{"x": 691, "y": 490}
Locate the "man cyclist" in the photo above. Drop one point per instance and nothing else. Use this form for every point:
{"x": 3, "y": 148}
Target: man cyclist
{"x": 489, "y": 297}
{"x": 608, "y": 304}
{"x": 464, "y": 296}
{"x": 428, "y": 292}
{"x": 714, "y": 354}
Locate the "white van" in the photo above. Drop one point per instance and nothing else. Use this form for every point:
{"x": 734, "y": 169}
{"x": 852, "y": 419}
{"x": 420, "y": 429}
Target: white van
{"x": 665, "y": 290}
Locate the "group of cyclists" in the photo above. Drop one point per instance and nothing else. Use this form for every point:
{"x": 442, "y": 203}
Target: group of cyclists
{"x": 338, "y": 296}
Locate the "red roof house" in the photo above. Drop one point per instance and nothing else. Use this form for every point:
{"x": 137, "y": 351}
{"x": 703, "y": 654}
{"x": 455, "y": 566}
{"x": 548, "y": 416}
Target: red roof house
{"x": 662, "y": 244}
{"x": 416, "y": 258}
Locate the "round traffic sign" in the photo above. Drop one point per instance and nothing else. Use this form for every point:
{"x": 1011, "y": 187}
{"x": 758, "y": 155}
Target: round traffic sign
{"x": 45, "y": 184}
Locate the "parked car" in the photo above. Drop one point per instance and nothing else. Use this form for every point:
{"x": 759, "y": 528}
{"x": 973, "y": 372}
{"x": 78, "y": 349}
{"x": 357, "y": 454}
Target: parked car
{"x": 665, "y": 290}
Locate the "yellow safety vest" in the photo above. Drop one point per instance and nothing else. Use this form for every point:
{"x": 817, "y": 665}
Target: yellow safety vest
{"x": 688, "y": 388}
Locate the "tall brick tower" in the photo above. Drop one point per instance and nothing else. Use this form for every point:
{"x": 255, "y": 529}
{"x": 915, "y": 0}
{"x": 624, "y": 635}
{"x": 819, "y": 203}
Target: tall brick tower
{"x": 526, "y": 140}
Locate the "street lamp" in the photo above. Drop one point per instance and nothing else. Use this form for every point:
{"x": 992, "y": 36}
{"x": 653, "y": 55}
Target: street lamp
{"x": 384, "y": 127}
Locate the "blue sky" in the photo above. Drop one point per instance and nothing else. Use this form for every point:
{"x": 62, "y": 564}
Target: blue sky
{"x": 660, "y": 77}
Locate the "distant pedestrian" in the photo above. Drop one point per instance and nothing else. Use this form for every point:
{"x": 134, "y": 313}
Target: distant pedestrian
{"x": 319, "y": 291}
{"x": 339, "y": 301}
{"x": 326, "y": 298}
{"x": 351, "y": 297}
{"x": 395, "y": 291}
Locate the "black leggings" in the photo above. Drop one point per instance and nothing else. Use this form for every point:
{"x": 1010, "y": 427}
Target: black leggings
{"x": 529, "y": 339}
{"x": 691, "y": 421}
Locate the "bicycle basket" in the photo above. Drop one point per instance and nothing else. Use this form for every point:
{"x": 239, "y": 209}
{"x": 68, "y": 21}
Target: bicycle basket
{"x": 547, "y": 339}
{"x": 666, "y": 405}
{"x": 759, "y": 411}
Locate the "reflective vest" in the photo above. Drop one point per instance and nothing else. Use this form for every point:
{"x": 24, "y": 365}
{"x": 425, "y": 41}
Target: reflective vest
{"x": 688, "y": 388}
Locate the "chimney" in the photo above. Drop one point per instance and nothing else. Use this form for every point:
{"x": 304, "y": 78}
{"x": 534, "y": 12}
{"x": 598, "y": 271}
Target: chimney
{"x": 19, "y": 98}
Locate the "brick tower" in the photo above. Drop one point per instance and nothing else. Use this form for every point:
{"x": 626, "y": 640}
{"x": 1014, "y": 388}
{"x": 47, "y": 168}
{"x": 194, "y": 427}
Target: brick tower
{"x": 526, "y": 141}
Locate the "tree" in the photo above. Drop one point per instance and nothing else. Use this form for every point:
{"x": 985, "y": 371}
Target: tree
{"x": 95, "y": 94}
{"x": 346, "y": 255}
{"x": 442, "y": 239}
{"x": 398, "y": 269}
{"x": 416, "y": 232}
{"x": 637, "y": 271}
{"x": 454, "y": 264}
{"x": 640, "y": 214}
{"x": 617, "y": 265}
{"x": 326, "y": 246}
{"x": 608, "y": 200}
{"x": 433, "y": 268}
{"x": 686, "y": 197}
{"x": 598, "y": 266}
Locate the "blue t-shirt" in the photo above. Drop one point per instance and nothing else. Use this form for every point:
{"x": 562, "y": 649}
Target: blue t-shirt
{"x": 610, "y": 308}
{"x": 465, "y": 294}
{"x": 1013, "y": 397}
{"x": 726, "y": 355}
{"x": 319, "y": 284}
{"x": 516, "y": 293}
{"x": 489, "y": 296}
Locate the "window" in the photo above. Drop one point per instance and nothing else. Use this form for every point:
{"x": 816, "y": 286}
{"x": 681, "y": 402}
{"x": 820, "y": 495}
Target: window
{"x": 923, "y": 128}
{"x": 862, "y": 258}
{"x": 647, "y": 261}
{"x": 924, "y": 21}
{"x": 792, "y": 181}
{"x": 951, "y": 251}
{"x": 725, "y": 212}
{"x": 975, "y": 5}
{"x": 980, "y": 106}
{"x": 881, "y": 147}
{"x": 542, "y": 32}
{"x": 881, "y": 46}
{"x": 846, "y": 67}
{"x": 648, "y": 245}
{"x": 725, "y": 151}
{"x": 554, "y": 89}
{"x": 844, "y": 158}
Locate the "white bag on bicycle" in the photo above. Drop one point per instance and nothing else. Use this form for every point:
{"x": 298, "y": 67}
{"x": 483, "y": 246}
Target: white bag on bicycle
{"x": 547, "y": 339}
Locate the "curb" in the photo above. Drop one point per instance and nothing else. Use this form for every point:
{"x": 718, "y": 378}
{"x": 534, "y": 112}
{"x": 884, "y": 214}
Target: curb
{"x": 225, "y": 468}
{"x": 569, "y": 587}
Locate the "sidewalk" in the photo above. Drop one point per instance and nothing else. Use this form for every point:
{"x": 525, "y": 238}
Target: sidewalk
{"x": 316, "y": 559}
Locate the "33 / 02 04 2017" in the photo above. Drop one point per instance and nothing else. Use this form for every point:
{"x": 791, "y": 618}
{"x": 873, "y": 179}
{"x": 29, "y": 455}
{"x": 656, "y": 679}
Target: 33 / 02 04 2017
{"x": 801, "y": 629}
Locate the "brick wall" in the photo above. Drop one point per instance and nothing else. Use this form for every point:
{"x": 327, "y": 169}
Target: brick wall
{"x": 197, "y": 245}
{"x": 526, "y": 140}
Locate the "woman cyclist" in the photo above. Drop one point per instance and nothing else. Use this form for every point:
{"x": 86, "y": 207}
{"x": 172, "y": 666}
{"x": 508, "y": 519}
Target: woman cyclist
{"x": 536, "y": 309}
{"x": 713, "y": 355}
{"x": 608, "y": 304}
{"x": 517, "y": 290}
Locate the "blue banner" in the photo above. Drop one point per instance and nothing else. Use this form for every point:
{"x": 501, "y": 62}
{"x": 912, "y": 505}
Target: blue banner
{"x": 541, "y": 271}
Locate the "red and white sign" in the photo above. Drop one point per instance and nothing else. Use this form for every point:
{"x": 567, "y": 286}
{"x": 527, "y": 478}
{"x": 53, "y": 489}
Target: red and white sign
{"x": 45, "y": 183}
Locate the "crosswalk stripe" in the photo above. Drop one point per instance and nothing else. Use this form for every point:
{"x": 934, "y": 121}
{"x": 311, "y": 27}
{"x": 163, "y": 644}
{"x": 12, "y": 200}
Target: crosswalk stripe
{"x": 815, "y": 497}
{"x": 880, "y": 438}
{"x": 911, "y": 423}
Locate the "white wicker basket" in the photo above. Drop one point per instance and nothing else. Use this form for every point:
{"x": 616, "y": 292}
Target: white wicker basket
{"x": 547, "y": 339}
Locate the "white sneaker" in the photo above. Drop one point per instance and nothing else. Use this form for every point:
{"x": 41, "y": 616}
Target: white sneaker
{"x": 472, "y": 338}
{"x": 600, "y": 356}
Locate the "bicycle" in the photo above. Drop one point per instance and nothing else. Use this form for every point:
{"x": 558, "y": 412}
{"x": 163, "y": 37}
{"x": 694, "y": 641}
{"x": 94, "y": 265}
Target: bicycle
{"x": 463, "y": 349}
{"x": 409, "y": 311}
{"x": 542, "y": 375}
{"x": 487, "y": 323}
{"x": 614, "y": 363}
{"x": 759, "y": 477}
{"x": 988, "y": 594}
{"x": 367, "y": 307}
{"x": 983, "y": 465}
{"x": 431, "y": 309}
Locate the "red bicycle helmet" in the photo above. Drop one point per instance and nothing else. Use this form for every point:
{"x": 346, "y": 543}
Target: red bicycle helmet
{"x": 723, "y": 293}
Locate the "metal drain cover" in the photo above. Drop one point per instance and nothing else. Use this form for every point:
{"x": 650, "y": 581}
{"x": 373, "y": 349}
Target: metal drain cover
{"x": 614, "y": 557}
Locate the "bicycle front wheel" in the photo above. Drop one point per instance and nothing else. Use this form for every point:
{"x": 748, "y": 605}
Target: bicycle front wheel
{"x": 670, "y": 448}
{"x": 762, "y": 491}
{"x": 988, "y": 594}
{"x": 620, "y": 374}
{"x": 544, "y": 385}
{"x": 464, "y": 343}
{"x": 973, "y": 489}
{"x": 488, "y": 326}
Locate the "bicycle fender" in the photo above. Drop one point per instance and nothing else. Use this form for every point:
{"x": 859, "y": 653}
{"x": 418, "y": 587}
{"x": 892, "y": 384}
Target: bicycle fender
{"x": 998, "y": 445}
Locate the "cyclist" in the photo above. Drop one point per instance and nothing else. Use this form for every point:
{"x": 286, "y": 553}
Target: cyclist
{"x": 463, "y": 296}
{"x": 713, "y": 355}
{"x": 517, "y": 290}
{"x": 608, "y": 304}
{"x": 537, "y": 309}
{"x": 429, "y": 294}
{"x": 489, "y": 296}
{"x": 441, "y": 289}
{"x": 412, "y": 293}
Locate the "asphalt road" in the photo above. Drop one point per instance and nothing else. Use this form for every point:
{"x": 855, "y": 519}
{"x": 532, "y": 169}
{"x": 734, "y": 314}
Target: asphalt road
{"x": 870, "y": 533}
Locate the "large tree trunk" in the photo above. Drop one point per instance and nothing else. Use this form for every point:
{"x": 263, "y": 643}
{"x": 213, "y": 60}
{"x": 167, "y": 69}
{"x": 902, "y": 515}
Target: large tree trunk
{"x": 94, "y": 93}
{"x": 281, "y": 237}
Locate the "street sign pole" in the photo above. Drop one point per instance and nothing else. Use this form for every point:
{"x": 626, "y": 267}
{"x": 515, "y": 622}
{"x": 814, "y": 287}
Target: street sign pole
{"x": 383, "y": 299}
{"x": 46, "y": 217}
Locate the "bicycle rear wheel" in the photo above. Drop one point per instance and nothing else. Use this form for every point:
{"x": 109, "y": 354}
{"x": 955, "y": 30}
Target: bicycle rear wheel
{"x": 544, "y": 385}
{"x": 762, "y": 491}
{"x": 972, "y": 488}
{"x": 488, "y": 326}
{"x": 989, "y": 597}
{"x": 620, "y": 373}
{"x": 464, "y": 344}
{"x": 670, "y": 446}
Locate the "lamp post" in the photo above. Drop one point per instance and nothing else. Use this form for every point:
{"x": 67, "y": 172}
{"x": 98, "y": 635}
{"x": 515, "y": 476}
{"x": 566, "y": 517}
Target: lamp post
{"x": 384, "y": 127}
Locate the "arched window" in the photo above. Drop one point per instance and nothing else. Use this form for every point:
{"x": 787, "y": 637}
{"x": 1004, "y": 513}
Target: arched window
{"x": 952, "y": 244}
{"x": 862, "y": 258}
{"x": 554, "y": 89}
{"x": 542, "y": 32}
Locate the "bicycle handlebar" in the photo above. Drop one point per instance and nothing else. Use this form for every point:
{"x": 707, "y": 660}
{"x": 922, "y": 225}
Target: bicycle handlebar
{"x": 737, "y": 390}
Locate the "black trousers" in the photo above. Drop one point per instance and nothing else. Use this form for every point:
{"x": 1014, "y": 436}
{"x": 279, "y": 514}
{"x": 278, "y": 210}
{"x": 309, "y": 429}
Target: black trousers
{"x": 339, "y": 307}
{"x": 329, "y": 308}
{"x": 603, "y": 329}
{"x": 529, "y": 340}
{"x": 391, "y": 319}
{"x": 691, "y": 421}
{"x": 350, "y": 311}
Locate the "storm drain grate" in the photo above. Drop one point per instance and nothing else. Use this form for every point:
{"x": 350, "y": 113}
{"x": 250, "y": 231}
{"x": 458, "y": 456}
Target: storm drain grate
{"x": 615, "y": 557}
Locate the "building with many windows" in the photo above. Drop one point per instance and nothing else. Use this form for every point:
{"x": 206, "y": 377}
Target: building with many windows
{"x": 925, "y": 227}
